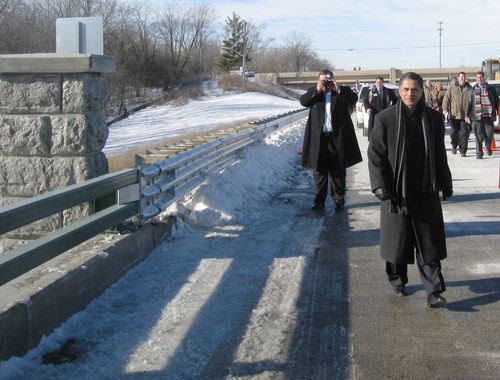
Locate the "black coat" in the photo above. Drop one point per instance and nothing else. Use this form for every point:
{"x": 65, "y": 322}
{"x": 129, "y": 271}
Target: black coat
{"x": 424, "y": 209}
{"x": 343, "y": 128}
{"x": 377, "y": 103}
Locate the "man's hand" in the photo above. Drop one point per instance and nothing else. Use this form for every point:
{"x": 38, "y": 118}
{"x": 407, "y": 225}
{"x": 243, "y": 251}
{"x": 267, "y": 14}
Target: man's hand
{"x": 320, "y": 86}
{"x": 447, "y": 194}
{"x": 467, "y": 120}
{"x": 336, "y": 87}
{"x": 369, "y": 111}
{"x": 381, "y": 193}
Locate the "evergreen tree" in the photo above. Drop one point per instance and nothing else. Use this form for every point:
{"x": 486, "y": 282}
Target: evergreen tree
{"x": 233, "y": 44}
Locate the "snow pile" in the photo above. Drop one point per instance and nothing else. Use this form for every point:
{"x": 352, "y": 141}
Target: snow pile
{"x": 233, "y": 194}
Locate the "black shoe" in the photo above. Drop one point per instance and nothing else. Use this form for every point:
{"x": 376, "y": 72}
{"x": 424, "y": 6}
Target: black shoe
{"x": 435, "y": 300}
{"x": 318, "y": 207}
{"x": 463, "y": 155}
{"x": 479, "y": 156}
{"x": 339, "y": 204}
{"x": 400, "y": 291}
{"x": 453, "y": 150}
{"x": 489, "y": 152}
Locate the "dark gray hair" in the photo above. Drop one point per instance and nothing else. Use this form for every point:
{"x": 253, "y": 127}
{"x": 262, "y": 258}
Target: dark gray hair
{"x": 412, "y": 76}
{"x": 325, "y": 72}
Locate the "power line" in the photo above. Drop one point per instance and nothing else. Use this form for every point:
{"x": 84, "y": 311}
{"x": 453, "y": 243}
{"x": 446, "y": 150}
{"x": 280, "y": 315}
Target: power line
{"x": 410, "y": 47}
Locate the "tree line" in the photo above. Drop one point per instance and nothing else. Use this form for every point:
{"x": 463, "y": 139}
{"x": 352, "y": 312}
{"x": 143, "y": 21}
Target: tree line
{"x": 160, "y": 47}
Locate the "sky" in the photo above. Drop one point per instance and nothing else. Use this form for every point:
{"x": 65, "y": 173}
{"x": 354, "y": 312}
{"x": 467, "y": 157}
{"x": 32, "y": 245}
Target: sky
{"x": 377, "y": 34}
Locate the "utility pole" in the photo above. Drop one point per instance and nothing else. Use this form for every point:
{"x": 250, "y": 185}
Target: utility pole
{"x": 440, "y": 29}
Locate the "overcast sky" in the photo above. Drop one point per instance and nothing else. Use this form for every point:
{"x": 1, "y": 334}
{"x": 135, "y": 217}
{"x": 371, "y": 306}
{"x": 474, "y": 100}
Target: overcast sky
{"x": 382, "y": 34}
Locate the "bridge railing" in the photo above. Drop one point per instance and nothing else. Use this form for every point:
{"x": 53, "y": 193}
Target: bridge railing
{"x": 142, "y": 192}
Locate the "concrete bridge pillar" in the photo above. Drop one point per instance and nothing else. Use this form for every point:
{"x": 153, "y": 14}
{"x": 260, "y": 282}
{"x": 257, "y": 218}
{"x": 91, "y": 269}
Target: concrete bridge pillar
{"x": 395, "y": 75}
{"x": 52, "y": 128}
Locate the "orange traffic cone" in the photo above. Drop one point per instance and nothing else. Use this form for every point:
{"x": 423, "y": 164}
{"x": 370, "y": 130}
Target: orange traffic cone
{"x": 493, "y": 144}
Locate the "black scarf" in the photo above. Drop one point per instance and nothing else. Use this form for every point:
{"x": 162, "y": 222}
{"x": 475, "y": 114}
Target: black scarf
{"x": 399, "y": 201}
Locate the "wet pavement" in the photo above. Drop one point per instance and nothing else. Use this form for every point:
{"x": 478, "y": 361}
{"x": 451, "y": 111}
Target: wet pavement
{"x": 391, "y": 337}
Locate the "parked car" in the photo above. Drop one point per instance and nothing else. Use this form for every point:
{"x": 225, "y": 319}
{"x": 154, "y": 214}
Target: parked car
{"x": 361, "y": 114}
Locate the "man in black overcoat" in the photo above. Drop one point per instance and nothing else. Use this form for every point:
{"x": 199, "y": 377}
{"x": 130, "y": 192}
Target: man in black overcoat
{"x": 379, "y": 97}
{"x": 408, "y": 168}
{"x": 330, "y": 144}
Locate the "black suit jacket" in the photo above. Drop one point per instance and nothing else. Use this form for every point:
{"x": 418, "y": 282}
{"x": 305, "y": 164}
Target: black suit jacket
{"x": 343, "y": 128}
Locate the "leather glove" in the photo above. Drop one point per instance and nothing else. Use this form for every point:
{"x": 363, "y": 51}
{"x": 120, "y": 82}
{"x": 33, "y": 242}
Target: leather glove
{"x": 382, "y": 193}
{"x": 447, "y": 194}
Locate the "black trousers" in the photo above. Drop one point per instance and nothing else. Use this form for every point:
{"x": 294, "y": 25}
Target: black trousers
{"x": 459, "y": 135}
{"x": 484, "y": 133}
{"x": 430, "y": 274}
{"x": 330, "y": 171}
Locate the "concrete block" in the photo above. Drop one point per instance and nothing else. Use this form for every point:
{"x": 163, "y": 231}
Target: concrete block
{"x": 83, "y": 93}
{"x": 14, "y": 331}
{"x": 56, "y": 63}
{"x": 65, "y": 285}
{"x": 29, "y": 176}
{"x": 22, "y": 135}
{"x": 78, "y": 134}
{"x": 30, "y": 93}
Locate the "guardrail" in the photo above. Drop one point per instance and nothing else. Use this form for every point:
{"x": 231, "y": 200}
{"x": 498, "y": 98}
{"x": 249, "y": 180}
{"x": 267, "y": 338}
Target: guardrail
{"x": 141, "y": 192}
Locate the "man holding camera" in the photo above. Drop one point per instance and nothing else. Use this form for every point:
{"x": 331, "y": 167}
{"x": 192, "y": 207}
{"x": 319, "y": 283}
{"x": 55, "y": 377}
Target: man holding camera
{"x": 330, "y": 145}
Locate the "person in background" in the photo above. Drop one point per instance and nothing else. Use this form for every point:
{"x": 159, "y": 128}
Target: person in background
{"x": 455, "y": 103}
{"x": 379, "y": 97}
{"x": 437, "y": 97}
{"x": 483, "y": 106}
{"x": 408, "y": 168}
{"x": 428, "y": 88}
{"x": 330, "y": 145}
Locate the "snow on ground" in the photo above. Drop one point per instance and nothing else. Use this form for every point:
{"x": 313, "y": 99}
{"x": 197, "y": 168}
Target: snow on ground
{"x": 138, "y": 325}
{"x": 215, "y": 109}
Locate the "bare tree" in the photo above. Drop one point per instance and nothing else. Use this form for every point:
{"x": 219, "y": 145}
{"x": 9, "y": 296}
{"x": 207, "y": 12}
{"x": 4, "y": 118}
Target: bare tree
{"x": 298, "y": 50}
{"x": 183, "y": 31}
{"x": 295, "y": 55}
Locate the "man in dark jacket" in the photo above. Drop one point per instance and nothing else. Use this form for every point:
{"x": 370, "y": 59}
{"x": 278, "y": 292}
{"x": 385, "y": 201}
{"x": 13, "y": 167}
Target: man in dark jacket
{"x": 330, "y": 144}
{"x": 483, "y": 106}
{"x": 379, "y": 97}
{"x": 408, "y": 167}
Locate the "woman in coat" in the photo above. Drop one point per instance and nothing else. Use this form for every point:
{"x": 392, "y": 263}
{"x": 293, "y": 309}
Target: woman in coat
{"x": 437, "y": 97}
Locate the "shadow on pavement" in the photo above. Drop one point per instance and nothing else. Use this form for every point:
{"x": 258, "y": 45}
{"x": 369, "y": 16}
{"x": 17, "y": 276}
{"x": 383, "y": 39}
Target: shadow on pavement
{"x": 473, "y": 197}
{"x": 487, "y": 290}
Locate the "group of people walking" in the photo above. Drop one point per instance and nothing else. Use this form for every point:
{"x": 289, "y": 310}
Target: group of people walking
{"x": 407, "y": 161}
{"x": 468, "y": 108}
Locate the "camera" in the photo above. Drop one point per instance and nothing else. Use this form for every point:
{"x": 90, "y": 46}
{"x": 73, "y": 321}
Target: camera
{"x": 328, "y": 83}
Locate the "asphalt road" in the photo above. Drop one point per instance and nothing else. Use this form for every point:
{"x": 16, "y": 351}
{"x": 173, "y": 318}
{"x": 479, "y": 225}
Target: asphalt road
{"x": 377, "y": 335}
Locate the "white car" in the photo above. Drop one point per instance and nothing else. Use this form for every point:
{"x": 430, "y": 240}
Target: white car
{"x": 361, "y": 114}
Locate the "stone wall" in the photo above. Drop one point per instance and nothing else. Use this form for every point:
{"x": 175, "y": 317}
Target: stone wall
{"x": 52, "y": 132}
